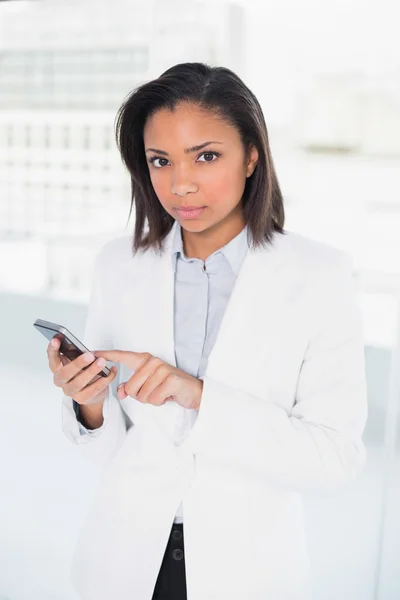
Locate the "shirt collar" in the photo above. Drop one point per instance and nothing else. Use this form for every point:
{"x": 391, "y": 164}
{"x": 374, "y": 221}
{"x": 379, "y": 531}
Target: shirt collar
{"x": 234, "y": 251}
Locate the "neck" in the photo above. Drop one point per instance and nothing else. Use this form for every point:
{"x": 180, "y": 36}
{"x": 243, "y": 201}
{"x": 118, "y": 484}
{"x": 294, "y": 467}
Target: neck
{"x": 204, "y": 243}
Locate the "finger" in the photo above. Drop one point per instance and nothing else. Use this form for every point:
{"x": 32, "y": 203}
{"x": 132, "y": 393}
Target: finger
{"x": 53, "y": 355}
{"x": 70, "y": 370}
{"x": 133, "y": 360}
{"x": 121, "y": 392}
{"x": 83, "y": 378}
{"x": 163, "y": 392}
{"x": 148, "y": 387}
{"x": 134, "y": 385}
{"x": 93, "y": 389}
{"x": 169, "y": 399}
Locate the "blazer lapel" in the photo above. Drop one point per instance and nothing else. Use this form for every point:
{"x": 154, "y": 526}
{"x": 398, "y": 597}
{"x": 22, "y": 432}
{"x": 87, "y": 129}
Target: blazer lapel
{"x": 242, "y": 339}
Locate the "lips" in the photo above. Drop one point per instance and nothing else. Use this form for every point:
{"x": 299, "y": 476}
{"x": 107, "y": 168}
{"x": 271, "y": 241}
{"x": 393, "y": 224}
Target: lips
{"x": 190, "y": 212}
{"x": 188, "y": 207}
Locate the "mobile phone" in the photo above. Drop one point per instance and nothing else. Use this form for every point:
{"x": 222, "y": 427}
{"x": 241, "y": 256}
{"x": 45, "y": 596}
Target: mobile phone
{"x": 70, "y": 346}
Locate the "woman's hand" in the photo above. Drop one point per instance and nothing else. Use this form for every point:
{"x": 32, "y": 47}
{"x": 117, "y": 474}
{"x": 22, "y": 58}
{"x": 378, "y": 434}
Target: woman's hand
{"x": 155, "y": 381}
{"x": 79, "y": 378}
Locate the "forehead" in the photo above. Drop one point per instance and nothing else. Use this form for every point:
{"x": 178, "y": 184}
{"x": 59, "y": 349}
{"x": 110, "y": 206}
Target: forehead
{"x": 187, "y": 122}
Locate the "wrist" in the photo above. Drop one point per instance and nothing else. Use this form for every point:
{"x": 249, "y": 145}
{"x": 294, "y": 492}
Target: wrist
{"x": 197, "y": 400}
{"x": 91, "y": 415}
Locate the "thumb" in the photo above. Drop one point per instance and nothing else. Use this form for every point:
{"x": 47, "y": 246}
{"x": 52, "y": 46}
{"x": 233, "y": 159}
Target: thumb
{"x": 121, "y": 391}
{"x": 56, "y": 360}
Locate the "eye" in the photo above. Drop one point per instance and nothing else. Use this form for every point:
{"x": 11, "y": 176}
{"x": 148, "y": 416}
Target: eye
{"x": 208, "y": 154}
{"x": 153, "y": 161}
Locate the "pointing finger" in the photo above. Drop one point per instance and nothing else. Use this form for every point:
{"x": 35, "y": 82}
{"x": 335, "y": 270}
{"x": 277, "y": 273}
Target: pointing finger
{"x": 133, "y": 360}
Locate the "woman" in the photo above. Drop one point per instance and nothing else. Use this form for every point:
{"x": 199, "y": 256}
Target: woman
{"x": 241, "y": 362}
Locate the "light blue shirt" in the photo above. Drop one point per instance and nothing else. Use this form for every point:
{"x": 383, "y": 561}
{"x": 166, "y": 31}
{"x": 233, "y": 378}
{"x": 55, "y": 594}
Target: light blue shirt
{"x": 202, "y": 291}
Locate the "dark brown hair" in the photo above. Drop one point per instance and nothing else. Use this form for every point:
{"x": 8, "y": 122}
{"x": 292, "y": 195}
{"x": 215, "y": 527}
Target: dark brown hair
{"x": 212, "y": 88}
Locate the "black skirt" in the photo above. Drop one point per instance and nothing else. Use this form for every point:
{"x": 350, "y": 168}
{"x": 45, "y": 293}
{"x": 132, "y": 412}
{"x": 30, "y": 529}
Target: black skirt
{"x": 171, "y": 581}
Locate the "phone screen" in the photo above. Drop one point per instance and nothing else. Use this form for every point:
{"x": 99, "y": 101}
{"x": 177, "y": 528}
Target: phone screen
{"x": 66, "y": 346}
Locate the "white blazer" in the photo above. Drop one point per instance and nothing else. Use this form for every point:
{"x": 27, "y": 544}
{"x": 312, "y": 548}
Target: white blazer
{"x": 282, "y": 412}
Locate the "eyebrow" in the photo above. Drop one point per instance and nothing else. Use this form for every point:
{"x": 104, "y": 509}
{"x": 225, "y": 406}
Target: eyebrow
{"x": 187, "y": 150}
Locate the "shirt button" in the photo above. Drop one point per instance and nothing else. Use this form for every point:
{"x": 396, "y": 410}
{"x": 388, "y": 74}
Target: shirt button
{"x": 177, "y": 554}
{"x": 177, "y": 535}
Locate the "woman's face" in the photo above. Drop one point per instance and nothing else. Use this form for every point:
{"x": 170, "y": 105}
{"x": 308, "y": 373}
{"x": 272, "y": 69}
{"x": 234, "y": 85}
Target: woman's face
{"x": 211, "y": 176}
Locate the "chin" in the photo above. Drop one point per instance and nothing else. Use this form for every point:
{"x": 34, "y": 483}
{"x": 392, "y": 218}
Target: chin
{"x": 193, "y": 225}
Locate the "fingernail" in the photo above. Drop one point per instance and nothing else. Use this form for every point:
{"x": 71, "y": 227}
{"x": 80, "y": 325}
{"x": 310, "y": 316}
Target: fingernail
{"x": 88, "y": 357}
{"x": 100, "y": 362}
{"x": 54, "y": 343}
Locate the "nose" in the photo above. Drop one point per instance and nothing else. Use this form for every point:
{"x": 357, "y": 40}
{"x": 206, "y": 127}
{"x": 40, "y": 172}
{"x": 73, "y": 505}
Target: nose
{"x": 182, "y": 182}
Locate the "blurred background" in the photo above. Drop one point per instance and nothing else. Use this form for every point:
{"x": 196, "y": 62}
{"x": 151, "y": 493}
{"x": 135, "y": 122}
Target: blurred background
{"x": 328, "y": 78}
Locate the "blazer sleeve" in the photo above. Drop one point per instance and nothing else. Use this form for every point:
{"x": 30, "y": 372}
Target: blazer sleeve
{"x": 318, "y": 444}
{"x": 98, "y": 445}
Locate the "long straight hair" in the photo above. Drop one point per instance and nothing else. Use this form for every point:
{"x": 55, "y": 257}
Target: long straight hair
{"x": 217, "y": 89}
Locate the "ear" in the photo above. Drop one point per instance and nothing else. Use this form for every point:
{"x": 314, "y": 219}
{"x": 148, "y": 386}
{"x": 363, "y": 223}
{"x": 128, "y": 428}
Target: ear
{"x": 251, "y": 163}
